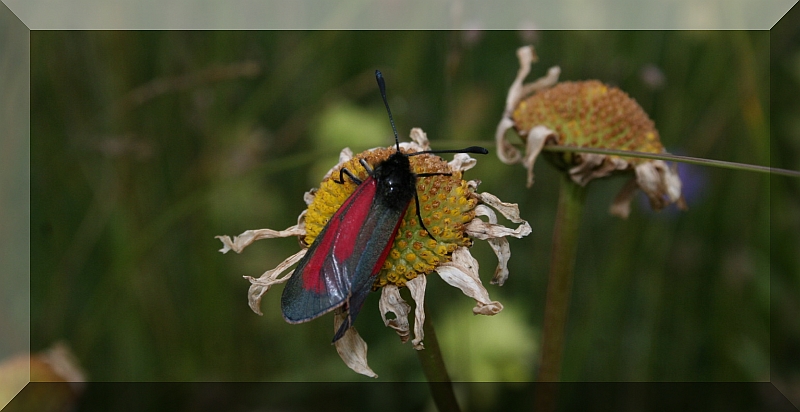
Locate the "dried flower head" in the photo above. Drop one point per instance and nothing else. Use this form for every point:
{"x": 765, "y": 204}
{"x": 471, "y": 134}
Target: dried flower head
{"x": 586, "y": 114}
{"x": 450, "y": 210}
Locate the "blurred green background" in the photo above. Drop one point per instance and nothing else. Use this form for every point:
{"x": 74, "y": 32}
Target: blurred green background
{"x": 145, "y": 145}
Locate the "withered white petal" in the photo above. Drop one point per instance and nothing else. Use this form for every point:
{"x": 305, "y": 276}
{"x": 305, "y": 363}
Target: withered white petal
{"x": 260, "y": 286}
{"x": 506, "y": 152}
{"x": 516, "y": 93}
{"x": 509, "y": 210}
{"x": 487, "y": 230}
{"x": 249, "y": 236}
{"x": 301, "y": 222}
{"x": 594, "y": 166}
{"x": 526, "y": 56}
{"x": 659, "y": 182}
{"x": 673, "y": 184}
{"x": 494, "y": 233}
{"x": 484, "y": 230}
{"x": 547, "y": 81}
{"x": 499, "y": 246}
{"x": 537, "y": 137}
{"x": 309, "y": 196}
{"x": 647, "y": 176}
{"x": 392, "y": 302}
{"x": 462, "y": 162}
{"x": 352, "y": 349}
{"x": 621, "y": 206}
{"x": 420, "y": 138}
{"x": 502, "y": 250}
{"x": 344, "y": 156}
{"x": 462, "y": 272}
{"x": 417, "y": 288}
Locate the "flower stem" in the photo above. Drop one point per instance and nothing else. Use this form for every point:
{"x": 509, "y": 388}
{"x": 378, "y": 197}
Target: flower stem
{"x": 435, "y": 371}
{"x": 562, "y": 261}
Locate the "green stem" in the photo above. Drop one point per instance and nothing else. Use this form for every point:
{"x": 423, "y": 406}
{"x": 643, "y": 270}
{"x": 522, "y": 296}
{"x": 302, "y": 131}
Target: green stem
{"x": 435, "y": 371}
{"x": 559, "y": 285}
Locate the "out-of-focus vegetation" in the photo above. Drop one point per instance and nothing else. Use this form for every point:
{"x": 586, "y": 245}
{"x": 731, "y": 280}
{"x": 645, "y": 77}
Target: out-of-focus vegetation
{"x": 145, "y": 145}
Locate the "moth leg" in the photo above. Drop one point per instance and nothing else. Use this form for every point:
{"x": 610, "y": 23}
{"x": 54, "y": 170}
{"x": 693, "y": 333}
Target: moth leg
{"x": 343, "y": 171}
{"x": 416, "y": 201}
{"x": 366, "y": 165}
{"x": 433, "y": 174}
{"x": 421, "y": 223}
{"x": 352, "y": 307}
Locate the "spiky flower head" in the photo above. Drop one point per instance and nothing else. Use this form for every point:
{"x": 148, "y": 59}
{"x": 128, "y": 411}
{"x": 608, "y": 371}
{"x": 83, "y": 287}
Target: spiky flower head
{"x": 586, "y": 114}
{"x": 450, "y": 209}
{"x": 590, "y": 114}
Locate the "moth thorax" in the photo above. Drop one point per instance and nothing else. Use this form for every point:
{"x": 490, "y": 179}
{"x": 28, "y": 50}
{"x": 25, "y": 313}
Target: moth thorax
{"x": 396, "y": 182}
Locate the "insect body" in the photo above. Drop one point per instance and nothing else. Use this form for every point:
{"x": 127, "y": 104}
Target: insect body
{"x": 341, "y": 264}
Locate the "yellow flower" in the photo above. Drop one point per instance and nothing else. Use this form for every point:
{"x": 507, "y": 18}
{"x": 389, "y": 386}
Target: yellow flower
{"x": 585, "y": 114}
{"x": 450, "y": 209}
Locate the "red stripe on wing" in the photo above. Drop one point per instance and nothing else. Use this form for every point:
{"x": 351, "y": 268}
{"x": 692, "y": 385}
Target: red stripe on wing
{"x": 342, "y": 228}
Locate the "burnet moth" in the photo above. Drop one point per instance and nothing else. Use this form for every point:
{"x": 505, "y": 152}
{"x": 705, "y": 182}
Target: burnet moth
{"x": 341, "y": 264}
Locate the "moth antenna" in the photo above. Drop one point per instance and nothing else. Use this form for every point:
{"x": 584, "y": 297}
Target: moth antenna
{"x": 382, "y": 87}
{"x": 471, "y": 149}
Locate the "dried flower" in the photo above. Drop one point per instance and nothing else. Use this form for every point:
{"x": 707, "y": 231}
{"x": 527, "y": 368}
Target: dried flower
{"x": 450, "y": 210}
{"x": 56, "y": 365}
{"x": 586, "y": 114}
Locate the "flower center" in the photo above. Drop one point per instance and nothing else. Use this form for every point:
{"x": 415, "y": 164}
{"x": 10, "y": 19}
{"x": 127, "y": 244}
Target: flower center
{"x": 590, "y": 114}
